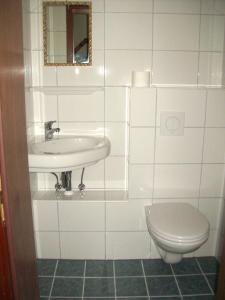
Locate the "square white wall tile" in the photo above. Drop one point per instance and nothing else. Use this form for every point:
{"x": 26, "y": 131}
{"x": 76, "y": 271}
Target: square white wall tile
{"x": 119, "y": 65}
{"x": 126, "y": 215}
{"x": 84, "y": 128}
{"x": 214, "y": 148}
{"x": 128, "y": 6}
{"x": 83, "y": 76}
{"x": 213, "y": 7}
{"x": 47, "y": 245}
{"x": 180, "y": 149}
{"x": 46, "y": 181}
{"x": 98, "y": 31}
{"x": 118, "y": 136}
{"x": 93, "y": 176}
{"x": 212, "y": 33}
{"x": 177, "y": 181}
{"x": 190, "y": 101}
{"x": 210, "y": 68}
{"x": 177, "y": 6}
{"x": 127, "y": 245}
{"x": 176, "y": 32}
{"x": 36, "y": 31}
{"x": 143, "y": 106}
{"x": 210, "y": 208}
{"x": 175, "y": 67}
{"x": 215, "y": 108}
{"x": 128, "y": 31}
{"x": 41, "y": 75}
{"x": 212, "y": 182}
{"x": 142, "y": 142}
{"x": 49, "y": 108}
{"x": 98, "y": 5}
{"x": 140, "y": 181}
{"x": 116, "y": 104}
{"x": 82, "y": 245}
{"x": 45, "y": 215}
{"x": 116, "y": 174}
{"x": 81, "y": 216}
{"x": 79, "y": 108}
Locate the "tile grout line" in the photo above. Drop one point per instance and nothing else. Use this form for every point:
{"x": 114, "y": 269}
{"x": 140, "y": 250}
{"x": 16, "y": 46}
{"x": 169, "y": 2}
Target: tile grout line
{"x": 85, "y": 263}
{"x": 181, "y": 296}
{"x": 146, "y": 285}
{"x": 114, "y": 279}
{"x": 202, "y": 163}
{"x": 127, "y": 276}
{"x": 53, "y": 280}
{"x": 199, "y": 44}
{"x": 204, "y": 276}
{"x": 105, "y": 206}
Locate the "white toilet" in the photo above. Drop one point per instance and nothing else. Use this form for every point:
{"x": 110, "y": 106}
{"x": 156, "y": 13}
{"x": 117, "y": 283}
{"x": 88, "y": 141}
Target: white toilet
{"x": 176, "y": 228}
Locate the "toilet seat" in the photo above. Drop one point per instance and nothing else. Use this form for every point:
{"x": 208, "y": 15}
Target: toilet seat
{"x": 177, "y": 223}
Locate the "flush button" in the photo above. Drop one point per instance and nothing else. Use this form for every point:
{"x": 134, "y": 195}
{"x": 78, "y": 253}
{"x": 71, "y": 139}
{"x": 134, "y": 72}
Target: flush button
{"x": 172, "y": 123}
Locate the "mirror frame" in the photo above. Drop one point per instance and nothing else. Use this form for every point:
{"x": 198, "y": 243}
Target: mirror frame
{"x": 46, "y": 4}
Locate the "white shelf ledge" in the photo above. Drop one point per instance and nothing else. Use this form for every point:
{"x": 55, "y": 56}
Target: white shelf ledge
{"x": 67, "y": 90}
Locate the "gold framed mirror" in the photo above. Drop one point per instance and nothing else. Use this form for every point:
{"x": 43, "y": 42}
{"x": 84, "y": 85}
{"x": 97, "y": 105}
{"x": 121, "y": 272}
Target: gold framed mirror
{"x": 67, "y": 30}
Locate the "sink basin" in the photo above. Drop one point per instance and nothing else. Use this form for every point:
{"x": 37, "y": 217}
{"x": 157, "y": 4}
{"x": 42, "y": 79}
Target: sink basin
{"x": 66, "y": 153}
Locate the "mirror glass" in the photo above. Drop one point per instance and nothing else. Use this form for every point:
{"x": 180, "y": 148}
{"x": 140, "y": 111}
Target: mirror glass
{"x": 67, "y": 33}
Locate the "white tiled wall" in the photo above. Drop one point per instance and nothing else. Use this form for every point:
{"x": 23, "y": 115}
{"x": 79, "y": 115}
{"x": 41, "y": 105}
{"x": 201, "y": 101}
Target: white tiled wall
{"x": 181, "y": 43}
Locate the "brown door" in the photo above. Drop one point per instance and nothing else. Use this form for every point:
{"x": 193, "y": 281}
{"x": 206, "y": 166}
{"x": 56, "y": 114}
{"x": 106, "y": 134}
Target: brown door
{"x": 16, "y": 235}
{"x": 6, "y": 291}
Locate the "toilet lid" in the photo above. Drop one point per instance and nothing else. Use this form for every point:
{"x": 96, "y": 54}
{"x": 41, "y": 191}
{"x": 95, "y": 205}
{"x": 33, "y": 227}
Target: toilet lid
{"x": 177, "y": 221}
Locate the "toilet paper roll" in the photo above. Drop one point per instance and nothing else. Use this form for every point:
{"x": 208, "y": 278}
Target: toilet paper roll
{"x": 140, "y": 79}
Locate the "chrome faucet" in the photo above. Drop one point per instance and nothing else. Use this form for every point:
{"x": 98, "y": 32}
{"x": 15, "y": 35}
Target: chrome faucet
{"x": 49, "y": 131}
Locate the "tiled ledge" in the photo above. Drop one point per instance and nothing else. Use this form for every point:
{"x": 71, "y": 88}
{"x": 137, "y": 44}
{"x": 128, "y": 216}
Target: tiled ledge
{"x": 67, "y": 90}
{"x": 89, "y": 195}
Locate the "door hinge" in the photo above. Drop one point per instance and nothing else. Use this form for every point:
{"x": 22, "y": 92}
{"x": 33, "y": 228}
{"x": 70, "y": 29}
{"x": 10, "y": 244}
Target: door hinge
{"x": 2, "y": 213}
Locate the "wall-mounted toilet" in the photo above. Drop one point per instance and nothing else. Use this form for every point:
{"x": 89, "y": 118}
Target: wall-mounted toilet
{"x": 176, "y": 228}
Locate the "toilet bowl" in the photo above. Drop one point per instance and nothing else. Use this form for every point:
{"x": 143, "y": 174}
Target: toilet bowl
{"x": 176, "y": 228}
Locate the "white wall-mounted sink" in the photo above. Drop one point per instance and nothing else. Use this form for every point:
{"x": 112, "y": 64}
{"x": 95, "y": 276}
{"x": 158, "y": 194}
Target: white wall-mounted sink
{"x": 66, "y": 153}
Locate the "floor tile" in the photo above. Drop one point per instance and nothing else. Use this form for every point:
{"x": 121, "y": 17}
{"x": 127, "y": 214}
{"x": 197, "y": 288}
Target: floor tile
{"x": 199, "y": 297}
{"x": 46, "y": 267}
{"x": 99, "y": 268}
{"x": 108, "y": 298}
{"x": 156, "y": 267}
{"x": 45, "y": 284}
{"x": 70, "y": 268}
{"x": 57, "y": 298}
{"x": 99, "y": 287}
{"x": 186, "y": 266}
{"x": 68, "y": 287}
{"x": 208, "y": 264}
{"x": 193, "y": 285}
{"x": 212, "y": 279}
{"x": 133, "y": 298}
{"x": 131, "y": 286}
{"x": 162, "y": 286}
{"x": 165, "y": 298}
{"x": 128, "y": 268}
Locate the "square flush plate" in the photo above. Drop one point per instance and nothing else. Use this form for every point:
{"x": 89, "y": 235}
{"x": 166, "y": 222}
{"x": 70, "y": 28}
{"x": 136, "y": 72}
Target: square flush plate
{"x": 172, "y": 123}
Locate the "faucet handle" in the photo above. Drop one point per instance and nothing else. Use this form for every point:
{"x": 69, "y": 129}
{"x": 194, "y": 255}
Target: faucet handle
{"x": 48, "y": 124}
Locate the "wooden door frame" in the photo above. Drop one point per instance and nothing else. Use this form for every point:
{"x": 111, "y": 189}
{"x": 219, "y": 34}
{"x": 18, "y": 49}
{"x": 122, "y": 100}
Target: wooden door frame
{"x": 6, "y": 283}
{"x": 19, "y": 231}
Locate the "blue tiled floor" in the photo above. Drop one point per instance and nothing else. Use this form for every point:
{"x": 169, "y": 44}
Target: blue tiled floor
{"x": 192, "y": 279}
